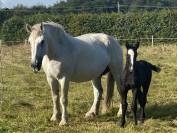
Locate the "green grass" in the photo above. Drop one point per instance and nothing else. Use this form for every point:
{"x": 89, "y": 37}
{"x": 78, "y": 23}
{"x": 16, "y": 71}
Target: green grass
{"x": 26, "y": 105}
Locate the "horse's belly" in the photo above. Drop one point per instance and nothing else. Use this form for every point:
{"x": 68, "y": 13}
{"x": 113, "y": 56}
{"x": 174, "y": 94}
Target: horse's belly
{"x": 89, "y": 72}
{"x": 86, "y": 76}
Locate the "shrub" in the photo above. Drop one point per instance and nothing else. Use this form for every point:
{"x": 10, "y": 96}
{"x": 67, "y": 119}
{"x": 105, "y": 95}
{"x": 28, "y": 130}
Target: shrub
{"x": 161, "y": 23}
{"x": 13, "y": 29}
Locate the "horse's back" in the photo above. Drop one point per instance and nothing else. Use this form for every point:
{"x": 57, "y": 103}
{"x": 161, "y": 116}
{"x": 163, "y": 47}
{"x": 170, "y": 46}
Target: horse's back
{"x": 93, "y": 55}
{"x": 95, "y": 38}
{"x": 109, "y": 43}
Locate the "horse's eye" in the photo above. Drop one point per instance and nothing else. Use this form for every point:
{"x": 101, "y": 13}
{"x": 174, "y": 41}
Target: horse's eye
{"x": 42, "y": 42}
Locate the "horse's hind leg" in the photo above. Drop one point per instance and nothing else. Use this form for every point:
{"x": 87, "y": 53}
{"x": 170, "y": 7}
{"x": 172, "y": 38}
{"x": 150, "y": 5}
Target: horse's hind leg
{"x": 109, "y": 93}
{"x": 55, "y": 97}
{"x": 98, "y": 90}
{"x": 124, "y": 106}
{"x": 116, "y": 72}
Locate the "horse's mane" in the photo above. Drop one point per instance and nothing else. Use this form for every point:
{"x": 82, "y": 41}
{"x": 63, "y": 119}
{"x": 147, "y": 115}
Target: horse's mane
{"x": 49, "y": 23}
{"x": 56, "y": 25}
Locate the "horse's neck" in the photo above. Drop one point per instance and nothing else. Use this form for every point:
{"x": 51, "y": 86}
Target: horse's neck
{"x": 58, "y": 45}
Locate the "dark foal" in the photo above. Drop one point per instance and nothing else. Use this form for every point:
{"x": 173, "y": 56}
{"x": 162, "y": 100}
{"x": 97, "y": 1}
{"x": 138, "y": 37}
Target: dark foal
{"x": 136, "y": 75}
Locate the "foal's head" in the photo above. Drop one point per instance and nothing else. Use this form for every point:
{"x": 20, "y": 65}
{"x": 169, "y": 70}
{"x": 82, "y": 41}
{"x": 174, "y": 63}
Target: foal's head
{"x": 131, "y": 55}
{"x": 38, "y": 46}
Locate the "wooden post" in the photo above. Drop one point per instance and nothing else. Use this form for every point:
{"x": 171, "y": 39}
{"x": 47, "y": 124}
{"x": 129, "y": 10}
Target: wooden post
{"x": 152, "y": 42}
{"x": 26, "y": 41}
{"x": 0, "y": 43}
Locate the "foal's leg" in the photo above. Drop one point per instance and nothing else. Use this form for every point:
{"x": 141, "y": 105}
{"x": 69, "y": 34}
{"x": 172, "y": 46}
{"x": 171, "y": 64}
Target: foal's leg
{"x": 64, "y": 83}
{"x": 134, "y": 105}
{"x": 55, "y": 97}
{"x": 98, "y": 90}
{"x": 141, "y": 101}
{"x": 144, "y": 101}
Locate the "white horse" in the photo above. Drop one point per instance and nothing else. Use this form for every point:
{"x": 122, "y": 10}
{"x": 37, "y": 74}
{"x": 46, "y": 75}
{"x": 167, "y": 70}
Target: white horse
{"x": 65, "y": 58}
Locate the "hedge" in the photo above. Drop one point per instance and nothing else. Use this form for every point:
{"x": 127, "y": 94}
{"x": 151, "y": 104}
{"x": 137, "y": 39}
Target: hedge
{"x": 130, "y": 25}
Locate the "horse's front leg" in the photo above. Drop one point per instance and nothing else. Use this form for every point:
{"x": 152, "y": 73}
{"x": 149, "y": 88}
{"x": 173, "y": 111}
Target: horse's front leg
{"x": 64, "y": 83}
{"x": 98, "y": 90}
{"x": 55, "y": 97}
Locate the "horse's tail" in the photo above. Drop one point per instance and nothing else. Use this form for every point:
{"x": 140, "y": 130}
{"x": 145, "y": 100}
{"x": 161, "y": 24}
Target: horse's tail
{"x": 154, "y": 67}
{"x": 109, "y": 93}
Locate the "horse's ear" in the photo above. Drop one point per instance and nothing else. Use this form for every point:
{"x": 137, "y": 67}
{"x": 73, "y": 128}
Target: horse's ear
{"x": 42, "y": 26}
{"x": 28, "y": 28}
{"x": 127, "y": 44}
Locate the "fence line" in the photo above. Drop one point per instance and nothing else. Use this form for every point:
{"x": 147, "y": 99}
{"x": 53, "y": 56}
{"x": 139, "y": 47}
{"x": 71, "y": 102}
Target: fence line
{"x": 152, "y": 39}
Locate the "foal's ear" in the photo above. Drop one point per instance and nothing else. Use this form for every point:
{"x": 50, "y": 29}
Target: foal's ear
{"x": 28, "y": 28}
{"x": 137, "y": 45}
{"x": 42, "y": 26}
{"x": 127, "y": 44}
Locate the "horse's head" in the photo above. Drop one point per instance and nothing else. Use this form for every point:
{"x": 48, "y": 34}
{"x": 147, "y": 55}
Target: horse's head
{"x": 38, "y": 46}
{"x": 131, "y": 55}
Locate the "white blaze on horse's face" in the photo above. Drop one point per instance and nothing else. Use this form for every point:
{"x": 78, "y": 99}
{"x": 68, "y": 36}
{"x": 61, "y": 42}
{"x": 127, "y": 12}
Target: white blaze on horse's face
{"x": 132, "y": 54}
{"x": 37, "y": 52}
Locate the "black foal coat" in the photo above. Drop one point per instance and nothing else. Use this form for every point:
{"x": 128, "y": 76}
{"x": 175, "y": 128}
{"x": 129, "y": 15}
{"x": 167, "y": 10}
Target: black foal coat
{"x": 139, "y": 78}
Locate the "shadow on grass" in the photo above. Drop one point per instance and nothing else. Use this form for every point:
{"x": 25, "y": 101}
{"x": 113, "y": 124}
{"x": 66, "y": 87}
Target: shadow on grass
{"x": 167, "y": 112}
{"x": 163, "y": 112}
{"x": 23, "y": 104}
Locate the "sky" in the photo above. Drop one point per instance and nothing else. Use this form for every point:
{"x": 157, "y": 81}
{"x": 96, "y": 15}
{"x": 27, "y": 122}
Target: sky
{"x": 28, "y": 3}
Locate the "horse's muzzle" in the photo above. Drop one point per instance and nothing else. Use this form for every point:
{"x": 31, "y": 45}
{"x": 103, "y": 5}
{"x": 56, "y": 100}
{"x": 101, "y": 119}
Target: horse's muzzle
{"x": 36, "y": 66}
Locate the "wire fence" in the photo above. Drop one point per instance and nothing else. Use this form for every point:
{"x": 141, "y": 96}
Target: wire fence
{"x": 148, "y": 41}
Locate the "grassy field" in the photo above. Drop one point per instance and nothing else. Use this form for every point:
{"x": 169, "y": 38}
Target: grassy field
{"x": 26, "y": 105}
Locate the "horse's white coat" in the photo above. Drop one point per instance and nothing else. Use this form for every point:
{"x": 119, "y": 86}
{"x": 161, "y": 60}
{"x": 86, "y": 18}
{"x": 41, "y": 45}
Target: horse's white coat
{"x": 131, "y": 53}
{"x": 77, "y": 59}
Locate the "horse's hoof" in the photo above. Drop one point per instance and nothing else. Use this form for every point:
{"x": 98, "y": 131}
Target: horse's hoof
{"x": 121, "y": 124}
{"x": 140, "y": 121}
{"x": 104, "y": 111}
{"x": 90, "y": 115}
{"x": 119, "y": 114}
{"x": 136, "y": 123}
{"x": 63, "y": 123}
{"x": 54, "y": 118}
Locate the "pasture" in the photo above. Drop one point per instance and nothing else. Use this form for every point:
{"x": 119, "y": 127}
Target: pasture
{"x": 26, "y": 104}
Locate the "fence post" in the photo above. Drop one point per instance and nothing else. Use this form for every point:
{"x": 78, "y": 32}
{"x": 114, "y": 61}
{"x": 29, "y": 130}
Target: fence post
{"x": 118, "y": 7}
{"x": 0, "y": 43}
{"x": 26, "y": 42}
{"x": 152, "y": 42}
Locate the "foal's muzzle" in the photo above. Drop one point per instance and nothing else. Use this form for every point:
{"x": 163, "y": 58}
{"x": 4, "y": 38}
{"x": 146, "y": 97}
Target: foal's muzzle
{"x": 36, "y": 66}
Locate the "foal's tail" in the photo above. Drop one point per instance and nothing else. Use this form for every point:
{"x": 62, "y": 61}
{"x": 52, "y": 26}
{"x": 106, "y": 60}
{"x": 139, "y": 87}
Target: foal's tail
{"x": 154, "y": 67}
